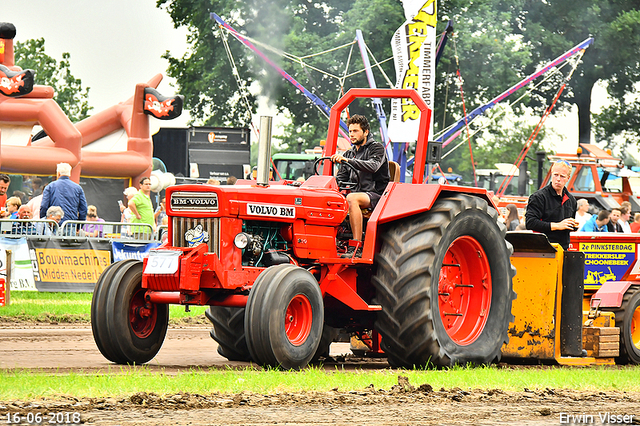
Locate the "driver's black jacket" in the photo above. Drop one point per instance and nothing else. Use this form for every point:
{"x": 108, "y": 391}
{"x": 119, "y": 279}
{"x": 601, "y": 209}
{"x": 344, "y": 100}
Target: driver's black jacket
{"x": 371, "y": 162}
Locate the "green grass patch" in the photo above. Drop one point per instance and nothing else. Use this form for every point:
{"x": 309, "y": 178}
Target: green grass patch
{"x": 36, "y": 306}
{"x": 121, "y": 381}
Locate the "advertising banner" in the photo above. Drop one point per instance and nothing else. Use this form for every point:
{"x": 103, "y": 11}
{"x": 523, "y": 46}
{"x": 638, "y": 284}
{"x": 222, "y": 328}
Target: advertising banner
{"x": 606, "y": 261}
{"x": 122, "y": 251}
{"x": 414, "y": 53}
{"x": 21, "y": 273}
{"x": 59, "y": 265}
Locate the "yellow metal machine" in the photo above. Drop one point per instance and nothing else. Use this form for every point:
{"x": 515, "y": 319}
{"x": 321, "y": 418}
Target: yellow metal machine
{"x": 550, "y": 324}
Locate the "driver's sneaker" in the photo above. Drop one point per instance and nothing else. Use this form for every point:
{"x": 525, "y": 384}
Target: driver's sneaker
{"x": 354, "y": 250}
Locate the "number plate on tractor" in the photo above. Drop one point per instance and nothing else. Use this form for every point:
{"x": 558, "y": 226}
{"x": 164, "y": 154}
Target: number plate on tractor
{"x": 162, "y": 262}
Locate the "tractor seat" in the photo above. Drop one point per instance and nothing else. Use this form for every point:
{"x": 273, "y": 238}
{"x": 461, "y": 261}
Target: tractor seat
{"x": 394, "y": 176}
{"x": 394, "y": 171}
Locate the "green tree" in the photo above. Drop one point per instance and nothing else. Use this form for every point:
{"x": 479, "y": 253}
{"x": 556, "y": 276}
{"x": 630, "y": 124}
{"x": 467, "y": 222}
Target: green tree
{"x": 620, "y": 122}
{"x": 69, "y": 94}
{"x": 298, "y": 27}
{"x": 302, "y": 28}
{"x": 552, "y": 26}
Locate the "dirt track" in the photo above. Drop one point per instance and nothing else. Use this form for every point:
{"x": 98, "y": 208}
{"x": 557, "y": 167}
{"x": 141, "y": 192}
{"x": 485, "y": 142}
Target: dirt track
{"x": 71, "y": 348}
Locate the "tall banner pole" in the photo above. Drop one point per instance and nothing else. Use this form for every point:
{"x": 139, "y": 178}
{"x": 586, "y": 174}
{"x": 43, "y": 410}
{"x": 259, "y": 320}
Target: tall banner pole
{"x": 414, "y": 53}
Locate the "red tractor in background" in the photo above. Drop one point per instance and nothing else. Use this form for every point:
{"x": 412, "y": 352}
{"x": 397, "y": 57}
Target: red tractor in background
{"x": 433, "y": 285}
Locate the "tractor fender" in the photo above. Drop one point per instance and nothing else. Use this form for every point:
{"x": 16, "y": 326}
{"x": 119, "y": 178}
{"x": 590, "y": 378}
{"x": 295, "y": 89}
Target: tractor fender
{"x": 611, "y": 293}
{"x": 403, "y": 200}
{"x": 395, "y": 205}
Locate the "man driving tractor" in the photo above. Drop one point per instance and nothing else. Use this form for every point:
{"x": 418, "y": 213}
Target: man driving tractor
{"x": 368, "y": 157}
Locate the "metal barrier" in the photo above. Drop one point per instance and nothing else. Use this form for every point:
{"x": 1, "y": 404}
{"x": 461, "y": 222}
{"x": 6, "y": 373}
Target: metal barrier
{"x": 121, "y": 231}
{"x": 28, "y": 227}
{"x": 112, "y": 230}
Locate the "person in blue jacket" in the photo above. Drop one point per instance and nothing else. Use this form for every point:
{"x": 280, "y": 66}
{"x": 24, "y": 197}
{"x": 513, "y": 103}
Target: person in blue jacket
{"x": 64, "y": 193}
{"x": 596, "y": 223}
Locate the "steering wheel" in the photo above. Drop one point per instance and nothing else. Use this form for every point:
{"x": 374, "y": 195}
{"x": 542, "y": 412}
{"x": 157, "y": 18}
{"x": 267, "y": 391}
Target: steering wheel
{"x": 344, "y": 186}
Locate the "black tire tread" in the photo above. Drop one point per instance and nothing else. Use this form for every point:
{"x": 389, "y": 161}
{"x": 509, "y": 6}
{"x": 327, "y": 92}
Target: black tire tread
{"x": 405, "y": 262}
{"x": 628, "y": 354}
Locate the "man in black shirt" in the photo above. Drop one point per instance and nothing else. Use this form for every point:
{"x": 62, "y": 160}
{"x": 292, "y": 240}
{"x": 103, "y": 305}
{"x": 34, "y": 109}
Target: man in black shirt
{"x": 614, "y": 220}
{"x": 369, "y": 158}
{"x": 551, "y": 210}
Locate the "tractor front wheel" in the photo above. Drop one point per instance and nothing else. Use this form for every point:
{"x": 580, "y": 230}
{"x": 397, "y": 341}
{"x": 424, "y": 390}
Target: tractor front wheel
{"x": 284, "y": 317}
{"x": 628, "y": 320}
{"x": 444, "y": 281}
{"x": 127, "y": 328}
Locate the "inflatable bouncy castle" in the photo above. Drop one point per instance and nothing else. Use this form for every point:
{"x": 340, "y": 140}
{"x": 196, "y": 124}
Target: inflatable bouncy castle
{"x": 24, "y": 104}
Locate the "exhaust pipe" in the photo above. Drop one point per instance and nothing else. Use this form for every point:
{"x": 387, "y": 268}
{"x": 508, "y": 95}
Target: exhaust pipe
{"x": 264, "y": 151}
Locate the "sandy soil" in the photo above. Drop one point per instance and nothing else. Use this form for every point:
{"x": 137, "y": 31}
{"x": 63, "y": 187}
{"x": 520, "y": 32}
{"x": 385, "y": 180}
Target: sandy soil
{"x": 63, "y": 348}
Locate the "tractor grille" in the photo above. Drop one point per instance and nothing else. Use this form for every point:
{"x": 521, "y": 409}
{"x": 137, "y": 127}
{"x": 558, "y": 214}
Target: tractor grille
{"x": 181, "y": 225}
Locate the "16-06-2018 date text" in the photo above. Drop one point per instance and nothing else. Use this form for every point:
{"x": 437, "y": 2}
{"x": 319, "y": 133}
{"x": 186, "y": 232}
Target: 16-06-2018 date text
{"x": 36, "y": 418}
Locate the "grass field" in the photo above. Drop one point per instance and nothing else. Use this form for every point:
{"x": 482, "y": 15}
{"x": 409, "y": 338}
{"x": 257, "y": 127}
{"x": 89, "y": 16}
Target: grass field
{"x": 123, "y": 380}
{"x": 127, "y": 380}
{"x": 68, "y": 307}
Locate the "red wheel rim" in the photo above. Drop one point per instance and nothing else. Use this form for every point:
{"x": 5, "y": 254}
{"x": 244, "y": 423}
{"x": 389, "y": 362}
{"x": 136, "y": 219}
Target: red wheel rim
{"x": 142, "y": 316}
{"x": 635, "y": 327}
{"x": 464, "y": 290}
{"x": 298, "y": 319}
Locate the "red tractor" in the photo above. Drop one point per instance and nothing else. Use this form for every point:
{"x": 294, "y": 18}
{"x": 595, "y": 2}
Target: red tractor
{"x": 433, "y": 285}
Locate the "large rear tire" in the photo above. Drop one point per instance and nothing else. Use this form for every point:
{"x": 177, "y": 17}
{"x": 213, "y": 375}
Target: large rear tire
{"x": 444, "y": 281}
{"x": 128, "y": 330}
{"x": 284, "y": 317}
{"x": 628, "y": 319}
{"x": 228, "y": 331}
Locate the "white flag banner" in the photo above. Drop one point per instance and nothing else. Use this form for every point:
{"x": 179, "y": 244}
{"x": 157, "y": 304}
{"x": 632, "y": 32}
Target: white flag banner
{"x": 414, "y": 53}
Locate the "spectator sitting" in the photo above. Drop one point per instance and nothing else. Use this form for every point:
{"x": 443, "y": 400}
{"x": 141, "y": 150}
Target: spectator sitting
{"x": 54, "y": 214}
{"x": 213, "y": 181}
{"x": 92, "y": 229}
{"x": 161, "y": 211}
{"x": 231, "y": 180}
{"x": 23, "y": 197}
{"x": 36, "y": 187}
{"x": 24, "y": 228}
{"x": 34, "y": 203}
{"x": 512, "y": 221}
{"x": 5, "y": 181}
{"x": 596, "y": 223}
{"x": 635, "y": 226}
{"x": 13, "y": 204}
{"x": 126, "y": 213}
{"x": 582, "y": 212}
{"x": 614, "y": 220}
{"x": 625, "y": 214}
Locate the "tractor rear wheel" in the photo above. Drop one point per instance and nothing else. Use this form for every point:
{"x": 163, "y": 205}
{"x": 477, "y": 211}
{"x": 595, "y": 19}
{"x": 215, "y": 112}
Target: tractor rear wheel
{"x": 228, "y": 331}
{"x": 284, "y": 317}
{"x": 130, "y": 329}
{"x": 329, "y": 334}
{"x": 628, "y": 319}
{"x": 444, "y": 281}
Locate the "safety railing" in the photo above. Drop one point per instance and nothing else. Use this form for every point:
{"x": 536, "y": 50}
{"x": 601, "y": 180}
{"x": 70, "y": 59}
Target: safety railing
{"x": 28, "y": 227}
{"x": 122, "y": 231}
{"x": 111, "y": 230}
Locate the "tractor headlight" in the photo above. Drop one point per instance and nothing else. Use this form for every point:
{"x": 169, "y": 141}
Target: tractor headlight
{"x": 242, "y": 240}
